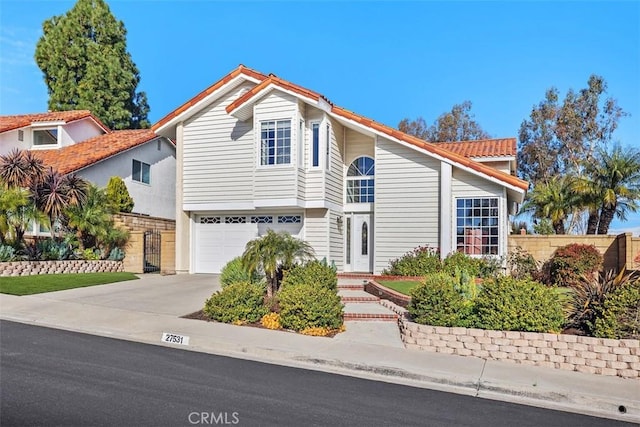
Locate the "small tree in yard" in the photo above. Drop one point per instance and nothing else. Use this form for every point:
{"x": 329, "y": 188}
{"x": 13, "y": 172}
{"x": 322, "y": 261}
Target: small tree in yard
{"x": 274, "y": 253}
{"x": 118, "y": 195}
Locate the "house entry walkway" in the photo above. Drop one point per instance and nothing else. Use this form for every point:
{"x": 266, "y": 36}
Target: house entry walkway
{"x": 366, "y": 320}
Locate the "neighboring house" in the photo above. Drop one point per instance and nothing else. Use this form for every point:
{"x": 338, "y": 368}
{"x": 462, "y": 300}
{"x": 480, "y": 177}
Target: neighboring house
{"x": 256, "y": 152}
{"x": 77, "y": 142}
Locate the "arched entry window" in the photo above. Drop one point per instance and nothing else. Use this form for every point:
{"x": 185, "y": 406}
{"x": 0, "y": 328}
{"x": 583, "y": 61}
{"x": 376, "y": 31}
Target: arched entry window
{"x": 360, "y": 181}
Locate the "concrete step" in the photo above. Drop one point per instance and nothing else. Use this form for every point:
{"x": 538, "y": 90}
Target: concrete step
{"x": 368, "y": 311}
{"x": 353, "y": 295}
{"x": 357, "y": 284}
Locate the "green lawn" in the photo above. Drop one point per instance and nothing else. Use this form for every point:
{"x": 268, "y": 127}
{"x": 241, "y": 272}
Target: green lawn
{"x": 36, "y": 284}
{"x": 402, "y": 286}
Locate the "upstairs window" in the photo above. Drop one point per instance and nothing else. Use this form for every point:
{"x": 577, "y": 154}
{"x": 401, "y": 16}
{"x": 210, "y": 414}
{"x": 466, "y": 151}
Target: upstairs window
{"x": 477, "y": 228}
{"x": 360, "y": 181}
{"x": 275, "y": 142}
{"x": 315, "y": 144}
{"x": 141, "y": 172}
{"x": 45, "y": 137}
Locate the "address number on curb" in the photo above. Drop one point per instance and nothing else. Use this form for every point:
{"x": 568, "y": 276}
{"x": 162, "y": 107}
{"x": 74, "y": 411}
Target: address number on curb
{"x": 175, "y": 338}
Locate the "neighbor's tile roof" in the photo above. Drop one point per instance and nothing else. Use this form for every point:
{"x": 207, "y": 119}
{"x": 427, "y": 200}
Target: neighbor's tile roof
{"x": 78, "y": 156}
{"x": 346, "y": 114}
{"x": 8, "y": 123}
{"x": 482, "y": 148}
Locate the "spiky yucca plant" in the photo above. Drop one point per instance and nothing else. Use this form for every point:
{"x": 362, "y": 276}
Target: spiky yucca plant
{"x": 589, "y": 295}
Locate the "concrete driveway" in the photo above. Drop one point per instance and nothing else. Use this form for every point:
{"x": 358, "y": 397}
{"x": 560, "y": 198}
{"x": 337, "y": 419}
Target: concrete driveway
{"x": 175, "y": 295}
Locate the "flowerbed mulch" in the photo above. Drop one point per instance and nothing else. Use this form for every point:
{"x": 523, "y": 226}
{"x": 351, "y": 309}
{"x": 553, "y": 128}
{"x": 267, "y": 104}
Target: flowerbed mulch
{"x": 200, "y": 315}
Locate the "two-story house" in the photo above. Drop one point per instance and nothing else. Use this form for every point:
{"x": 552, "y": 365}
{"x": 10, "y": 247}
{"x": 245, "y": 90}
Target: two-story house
{"x": 78, "y": 142}
{"x": 256, "y": 152}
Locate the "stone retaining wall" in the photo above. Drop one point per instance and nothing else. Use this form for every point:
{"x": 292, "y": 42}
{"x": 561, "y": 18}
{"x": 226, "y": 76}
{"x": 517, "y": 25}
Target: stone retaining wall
{"x": 28, "y": 268}
{"x": 575, "y": 353}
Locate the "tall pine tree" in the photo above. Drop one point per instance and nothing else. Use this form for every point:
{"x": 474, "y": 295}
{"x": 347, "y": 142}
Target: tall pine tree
{"x": 83, "y": 55}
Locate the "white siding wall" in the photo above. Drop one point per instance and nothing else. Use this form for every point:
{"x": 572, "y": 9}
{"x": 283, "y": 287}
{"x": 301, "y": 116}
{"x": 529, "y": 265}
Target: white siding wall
{"x": 279, "y": 181}
{"x": 9, "y": 141}
{"x": 157, "y": 198}
{"x": 334, "y": 178}
{"x": 219, "y": 155}
{"x": 336, "y": 240}
{"x": 407, "y": 201}
{"x": 358, "y": 145}
{"x": 79, "y": 131}
{"x": 503, "y": 166}
{"x": 466, "y": 184}
{"x": 316, "y": 231}
{"x": 314, "y": 184}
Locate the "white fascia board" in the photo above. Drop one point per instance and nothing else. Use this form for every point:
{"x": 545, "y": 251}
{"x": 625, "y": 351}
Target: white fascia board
{"x": 41, "y": 124}
{"x": 355, "y": 125}
{"x": 493, "y": 159}
{"x": 234, "y": 206}
{"x": 255, "y": 98}
{"x": 205, "y": 101}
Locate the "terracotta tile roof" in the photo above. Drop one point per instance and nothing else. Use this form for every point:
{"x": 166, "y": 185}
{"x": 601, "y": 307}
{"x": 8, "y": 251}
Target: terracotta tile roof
{"x": 482, "y": 148}
{"x": 77, "y": 156}
{"x": 199, "y": 97}
{"x": 8, "y": 123}
{"x": 394, "y": 133}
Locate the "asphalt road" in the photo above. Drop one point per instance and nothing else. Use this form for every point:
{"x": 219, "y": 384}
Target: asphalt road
{"x": 60, "y": 378}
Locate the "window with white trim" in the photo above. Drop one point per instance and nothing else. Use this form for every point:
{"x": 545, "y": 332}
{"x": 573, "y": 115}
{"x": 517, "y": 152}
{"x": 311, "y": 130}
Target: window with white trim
{"x": 315, "y": 145}
{"x": 275, "y": 142}
{"x": 262, "y": 219}
{"x": 235, "y": 220}
{"x": 289, "y": 219}
{"x": 209, "y": 220}
{"x": 477, "y": 225}
{"x": 141, "y": 172}
{"x": 45, "y": 137}
{"x": 360, "y": 181}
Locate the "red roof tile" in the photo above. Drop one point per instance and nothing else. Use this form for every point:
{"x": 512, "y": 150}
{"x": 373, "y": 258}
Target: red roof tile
{"x": 482, "y": 148}
{"x": 429, "y": 147}
{"x": 75, "y": 157}
{"x": 199, "y": 97}
{"x": 8, "y": 123}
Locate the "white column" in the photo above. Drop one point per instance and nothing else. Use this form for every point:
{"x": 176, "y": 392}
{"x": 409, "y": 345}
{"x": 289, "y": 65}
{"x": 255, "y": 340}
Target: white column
{"x": 446, "y": 203}
{"x": 183, "y": 229}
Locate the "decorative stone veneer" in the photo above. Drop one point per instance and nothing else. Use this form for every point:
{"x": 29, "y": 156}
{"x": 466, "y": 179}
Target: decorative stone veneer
{"x": 575, "y": 353}
{"x": 28, "y": 268}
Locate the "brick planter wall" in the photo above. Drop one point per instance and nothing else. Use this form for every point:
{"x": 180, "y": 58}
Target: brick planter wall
{"x": 28, "y": 268}
{"x": 575, "y": 353}
{"x": 384, "y": 293}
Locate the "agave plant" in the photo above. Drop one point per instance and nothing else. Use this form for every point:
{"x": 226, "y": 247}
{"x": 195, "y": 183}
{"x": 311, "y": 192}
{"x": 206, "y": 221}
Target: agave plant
{"x": 589, "y": 296}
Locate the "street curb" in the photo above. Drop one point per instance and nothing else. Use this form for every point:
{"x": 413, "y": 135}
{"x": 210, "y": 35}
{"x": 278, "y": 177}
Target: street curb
{"x": 576, "y": 403}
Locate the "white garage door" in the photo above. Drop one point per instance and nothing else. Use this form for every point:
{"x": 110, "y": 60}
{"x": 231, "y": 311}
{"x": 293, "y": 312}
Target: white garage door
{"x": 219, "y": 239}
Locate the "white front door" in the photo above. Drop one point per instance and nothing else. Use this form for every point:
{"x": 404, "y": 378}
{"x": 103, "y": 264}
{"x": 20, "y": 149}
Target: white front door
{"x": 362, "y": 242}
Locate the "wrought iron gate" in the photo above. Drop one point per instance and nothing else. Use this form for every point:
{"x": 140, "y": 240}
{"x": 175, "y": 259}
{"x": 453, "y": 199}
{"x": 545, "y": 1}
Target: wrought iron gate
{"x": 151, "y": 251}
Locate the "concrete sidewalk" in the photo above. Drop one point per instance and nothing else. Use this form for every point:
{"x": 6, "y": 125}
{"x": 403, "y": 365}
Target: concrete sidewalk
{"x": 142, "y": 310}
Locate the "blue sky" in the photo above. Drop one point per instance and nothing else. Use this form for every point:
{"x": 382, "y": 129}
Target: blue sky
{"x": 384, "y": 60}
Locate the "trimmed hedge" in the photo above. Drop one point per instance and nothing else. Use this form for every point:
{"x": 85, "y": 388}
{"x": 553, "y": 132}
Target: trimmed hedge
{"x": 305, "y": 306}
{"x": 570, "y": 263}
{"x": 314, "y": 273}
{"x": 437, "y": 302}
{"x": 238, "y": 302}
{"x": 509, "y": 304}
{"x": 421, "y": 261}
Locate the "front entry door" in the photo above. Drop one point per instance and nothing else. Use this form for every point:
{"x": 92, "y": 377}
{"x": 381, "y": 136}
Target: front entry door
{"x": 362, "y": 244}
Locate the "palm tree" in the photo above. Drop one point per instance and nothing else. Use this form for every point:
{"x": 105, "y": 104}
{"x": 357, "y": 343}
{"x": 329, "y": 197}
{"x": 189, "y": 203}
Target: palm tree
{"x": 91, "y": 219}
{"x": 273, "y": 253}
{"x": 553, "y": 200}
{"x": 13, "y": 200}
{"x": 614, "y": 179}
{"x": 20, "y": 169}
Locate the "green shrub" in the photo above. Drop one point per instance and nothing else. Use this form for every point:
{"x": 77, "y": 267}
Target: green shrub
{"x": 7, "y": 253}
{"x": 90, "y": 254}
{"x": 437, "y": 302}
{"x": 620, "y": 317}
{"x": 305, "y": 306}
{"x": 510, "y": 304}
{"x": 421, "y": 261}
{"x": 52, "y": 250}
{"x": 569, "y": 264}
{"x": 118, "y": 196}
{"x": 238, "y": 302}
{"x": 314, "y": 273}
{"x": 234, "y": 272}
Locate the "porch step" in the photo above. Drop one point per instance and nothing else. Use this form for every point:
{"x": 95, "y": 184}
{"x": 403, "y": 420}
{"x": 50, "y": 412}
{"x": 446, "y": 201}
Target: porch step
{"x": 353, "y": 284}
{"x": 353, "y": 295}
{"x": 368, "y": 311}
